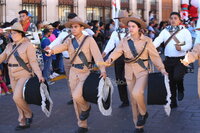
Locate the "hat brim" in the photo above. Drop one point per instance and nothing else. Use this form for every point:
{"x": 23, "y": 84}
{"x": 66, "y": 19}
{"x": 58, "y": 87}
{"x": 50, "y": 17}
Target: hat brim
{"x": 119, "y": 18}
{"x": 8, "y": 30}
{"x": 141, "y": 22}
{"x": 105, "y": 91}
{"x": 69, "y": 24}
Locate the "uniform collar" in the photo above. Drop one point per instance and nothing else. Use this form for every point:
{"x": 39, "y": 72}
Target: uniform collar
{"x": 80, "y": 38}
{"x": 174, "y": 28}
{"x": 122, "y": 30}
{"x": 140, "y": 38}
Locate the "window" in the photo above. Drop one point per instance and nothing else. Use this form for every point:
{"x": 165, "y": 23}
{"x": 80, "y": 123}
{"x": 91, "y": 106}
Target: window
{"x": 98, "y": 10}
{"x": 64, "y": 8}
{"x": 140, "y": 1}
{"x": 1, "y": 13}
{"x": 63, "y": 11}
{"x": 153, "y": 2}
{"x": 125, "y": 5}
{"x": 140, "y": 8}
{"x": 153, "y": 13}
{"x": 34, "y": 8}
{"x": 94, "y": 13}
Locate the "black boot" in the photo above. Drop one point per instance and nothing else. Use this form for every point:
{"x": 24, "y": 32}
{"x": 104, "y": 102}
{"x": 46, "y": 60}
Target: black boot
{"x": 82, "y": 130}
{"x": 139, "y": 130}
{"x": 142, "y": 119}
{"x": 124, "y": 104}
{"x": 85, "y": 114}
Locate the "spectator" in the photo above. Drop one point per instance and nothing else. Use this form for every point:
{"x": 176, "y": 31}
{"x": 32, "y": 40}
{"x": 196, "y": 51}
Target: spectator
{"x": 56, "y": 30}
{"x": 151, "y": 30}
{"x": 47, "y": 59}
{"x": 3, "y": 84}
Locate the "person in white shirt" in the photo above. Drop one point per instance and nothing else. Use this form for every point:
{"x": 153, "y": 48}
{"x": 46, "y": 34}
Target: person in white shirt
{"x": 115, "y": 38}
{"x": 175, "y": 49}
{"x": 66, "y": 33}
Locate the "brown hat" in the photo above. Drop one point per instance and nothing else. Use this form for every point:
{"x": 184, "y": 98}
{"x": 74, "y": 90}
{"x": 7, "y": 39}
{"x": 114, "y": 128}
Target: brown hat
{"x": 135, "y": 18}
{"x": 122, "y": 14}
{"x": 76, "y": 20}
{"x": 16, "y": 26}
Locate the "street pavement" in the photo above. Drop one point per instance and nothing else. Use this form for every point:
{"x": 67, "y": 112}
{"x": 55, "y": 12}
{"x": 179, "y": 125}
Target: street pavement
{"x": 184, "y": 119}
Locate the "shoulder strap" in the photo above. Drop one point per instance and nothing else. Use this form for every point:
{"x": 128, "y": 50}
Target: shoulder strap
{"x": 135, "y": 54}
{"x": 170, "y": 38}
{"x": 78, "y": 49}
{"x": 83, "y": 58}
{"x": 119, "y": 36}
{"x": 21, "y": 61}
{"x": 66, "y": 37}
{"x": 12, "y": 53}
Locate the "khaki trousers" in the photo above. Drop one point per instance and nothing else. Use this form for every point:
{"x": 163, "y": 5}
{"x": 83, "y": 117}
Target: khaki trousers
{"x": 67, "y": 66}
{"x": 136, "y": 90}
{"x": 76, "y": 81}
{"x": 23, "y": 108}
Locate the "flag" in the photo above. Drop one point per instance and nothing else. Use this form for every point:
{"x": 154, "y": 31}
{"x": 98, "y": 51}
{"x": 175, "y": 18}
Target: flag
{"x": 115, "y": 11}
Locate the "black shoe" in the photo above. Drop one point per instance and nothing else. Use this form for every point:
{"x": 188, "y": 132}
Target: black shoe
{"x": 124, "y": 104}
{"x": 29, "y": 120}
{"x": 82, "y": 130}
{"x": 142, "y": 119}
{"x": 70, "y": 102}
{"x": 19, "y": 127}
{"x": 139, "y": 130}
{"x": 180, "y": 96}
{"x": 173, "y": 105}
{"x": 85, "y": 114}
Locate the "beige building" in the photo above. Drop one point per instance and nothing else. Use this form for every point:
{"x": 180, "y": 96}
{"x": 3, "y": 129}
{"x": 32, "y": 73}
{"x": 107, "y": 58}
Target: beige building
{"x": 53, "y": 10}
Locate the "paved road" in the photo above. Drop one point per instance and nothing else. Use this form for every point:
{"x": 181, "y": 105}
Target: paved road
{"x": 184, "y": 119}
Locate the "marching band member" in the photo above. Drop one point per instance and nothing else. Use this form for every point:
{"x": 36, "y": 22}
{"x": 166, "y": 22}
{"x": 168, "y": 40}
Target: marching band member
{"x": 136, "y": 49}
{"x": 115, "y": 38}
{"x": 79, "y": 70}
{"x": 191, "y": 57}
{"x": 18, "y": 75}
{"x": 177, "y": 41}
{"x": 65, "y": 34}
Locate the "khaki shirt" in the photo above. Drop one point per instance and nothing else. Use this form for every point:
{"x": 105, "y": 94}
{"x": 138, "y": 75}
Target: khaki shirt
{"x": 135, "y": 68}
{"x": 27, "y": 53}
{"x": 193, "y": 55}
{"x": 89, "y": 48}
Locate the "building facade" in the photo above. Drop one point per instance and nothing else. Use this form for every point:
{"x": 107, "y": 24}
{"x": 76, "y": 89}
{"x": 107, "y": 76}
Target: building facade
{"x": 52, "y": 10}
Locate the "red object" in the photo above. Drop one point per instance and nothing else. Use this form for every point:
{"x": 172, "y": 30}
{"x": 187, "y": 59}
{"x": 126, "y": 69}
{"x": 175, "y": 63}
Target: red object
{"x": 193, "y": 12}
{"x": 3, "y": 85}
{"x": 25, "y": 26}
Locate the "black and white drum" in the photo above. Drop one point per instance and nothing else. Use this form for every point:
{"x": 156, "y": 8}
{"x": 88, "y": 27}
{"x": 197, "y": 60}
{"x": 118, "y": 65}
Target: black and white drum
{"x": 38, "y": 93}
{"x": 99, "y": 91}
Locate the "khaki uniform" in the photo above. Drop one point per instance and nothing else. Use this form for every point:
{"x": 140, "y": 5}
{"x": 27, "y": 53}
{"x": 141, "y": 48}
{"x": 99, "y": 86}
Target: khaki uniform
{"x": 191, "y": 57}
{"x": 135, "y": 75}
{"x": 78, "y": 76}
{"x": 18, "y": 75}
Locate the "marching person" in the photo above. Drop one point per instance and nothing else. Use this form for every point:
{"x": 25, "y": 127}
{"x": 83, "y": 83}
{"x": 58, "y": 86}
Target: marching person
{"x": 65, "y": 34}
{"x": 191, "y": 57}
{"x": 136, "y": 49}
{"x": 115, "y": 38}
{"x": 80, "y": 70}
{"x": 177, "y": 40}
{"x": 18, "y": 75}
